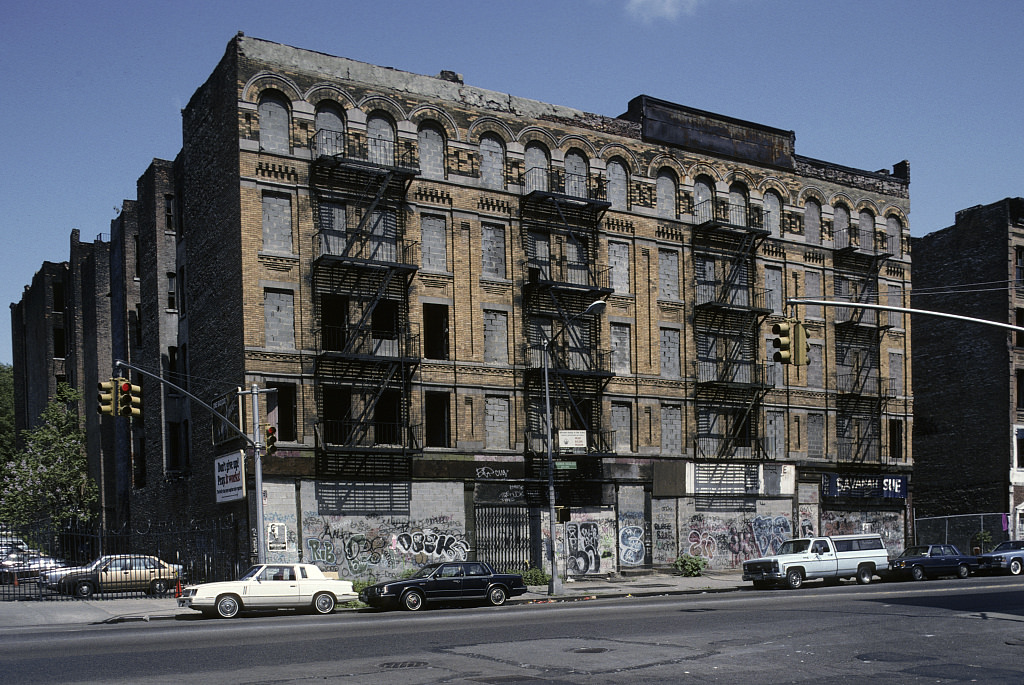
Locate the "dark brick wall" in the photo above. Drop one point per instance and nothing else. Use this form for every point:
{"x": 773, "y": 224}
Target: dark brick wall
{"x": 963, "y": 371}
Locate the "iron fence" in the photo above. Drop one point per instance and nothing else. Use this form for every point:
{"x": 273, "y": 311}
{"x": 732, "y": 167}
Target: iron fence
{"x": 205, "y": 550}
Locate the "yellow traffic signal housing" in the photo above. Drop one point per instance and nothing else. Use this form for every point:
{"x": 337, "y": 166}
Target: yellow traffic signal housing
{"x": 107, "y": 397}
{"x": 783, "y": 342}
{"x": 800, "y": 346}
{"x": 129, "y": 398}
{"x": 271, "y": 440}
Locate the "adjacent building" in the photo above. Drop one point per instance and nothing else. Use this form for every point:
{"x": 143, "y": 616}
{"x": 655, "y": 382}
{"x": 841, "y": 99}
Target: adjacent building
{"x": 969, "y": 432}
{"x": 408, "y": 264}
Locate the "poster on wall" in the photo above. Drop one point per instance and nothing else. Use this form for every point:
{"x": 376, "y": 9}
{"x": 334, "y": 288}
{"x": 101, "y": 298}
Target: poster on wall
{"x": 229, "y": 477}
{"x": 277, "y": 537}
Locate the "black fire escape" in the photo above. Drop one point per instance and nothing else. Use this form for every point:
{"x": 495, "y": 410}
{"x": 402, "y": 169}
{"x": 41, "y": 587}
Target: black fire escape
{"x": 366, "y": 347}
{"x": 731, "y": 381}
{"x": 861, "y": 392}
{"x": 559, "y": 217}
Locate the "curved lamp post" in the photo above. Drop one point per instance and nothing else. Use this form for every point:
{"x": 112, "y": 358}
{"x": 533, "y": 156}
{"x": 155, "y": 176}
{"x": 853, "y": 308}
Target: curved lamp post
{"x": 555, "y": 584}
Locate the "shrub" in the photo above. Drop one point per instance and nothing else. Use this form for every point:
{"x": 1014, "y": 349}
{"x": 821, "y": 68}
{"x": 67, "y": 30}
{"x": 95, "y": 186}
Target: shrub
{"x": 689, "y": 565}
{"x": 535, "y": 576}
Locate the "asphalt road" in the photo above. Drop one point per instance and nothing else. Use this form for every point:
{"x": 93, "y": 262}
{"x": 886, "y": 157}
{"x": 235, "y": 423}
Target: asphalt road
{"x": 936, "y": 632}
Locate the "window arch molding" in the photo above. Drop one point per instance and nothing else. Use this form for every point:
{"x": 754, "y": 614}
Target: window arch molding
{"x": 430, "y": 114}
{"x": 624, "y": 155}
{"x": 580, "y": 144}
{"x": 263, "y": 82}
{"x": 320, "y": 94}
{"x": 489, "y": 125}
{"x": 378, "y": 104}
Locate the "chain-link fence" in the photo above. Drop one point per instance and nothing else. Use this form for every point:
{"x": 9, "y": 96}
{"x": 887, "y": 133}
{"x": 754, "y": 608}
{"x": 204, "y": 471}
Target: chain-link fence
{"x": 968, "y": 532}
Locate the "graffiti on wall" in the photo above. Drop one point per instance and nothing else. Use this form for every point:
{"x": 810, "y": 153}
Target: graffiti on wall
{"x": 888, "y": 524}
{"x": 728, "y": 542}
{"x": 631, "y": 545}
{"x": 372, "y": 546}
{"x": 589, "y": 542}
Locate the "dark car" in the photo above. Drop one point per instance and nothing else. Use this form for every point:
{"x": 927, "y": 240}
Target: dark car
{"x": 931, "y": 561}
{"x": 114, "y": 573}
{"x": 456, "y": 581}
{"x": 1007, "y": 557}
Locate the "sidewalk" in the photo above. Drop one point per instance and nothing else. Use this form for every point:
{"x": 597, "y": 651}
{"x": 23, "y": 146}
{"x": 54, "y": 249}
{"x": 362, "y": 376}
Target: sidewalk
{"x": 24, "y": 614}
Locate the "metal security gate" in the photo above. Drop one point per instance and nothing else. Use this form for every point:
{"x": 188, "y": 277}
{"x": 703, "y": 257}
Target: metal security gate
{"x": 503, "y": 536}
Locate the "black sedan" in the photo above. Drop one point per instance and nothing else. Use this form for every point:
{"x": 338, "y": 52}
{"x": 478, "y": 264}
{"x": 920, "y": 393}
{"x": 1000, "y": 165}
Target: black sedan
{"x": 931, "y": 561}
{"x": 450, "y": 582}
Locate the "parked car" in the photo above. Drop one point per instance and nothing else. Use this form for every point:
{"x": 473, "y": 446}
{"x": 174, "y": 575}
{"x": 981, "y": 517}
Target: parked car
{"x": 830, "y": 557}
{"x": 268, "y": 587}
{"x": 26, "y": 566}
{"x": 460, "y": 581}
{"x": 113, "y": 573}
{"x": 931, "y": 561}
{"x": 1007, "y": 557}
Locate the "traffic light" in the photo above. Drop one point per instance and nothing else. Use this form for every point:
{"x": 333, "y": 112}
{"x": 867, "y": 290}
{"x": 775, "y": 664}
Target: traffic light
{"x": 783, "y": 343}
{"x": 107, "y": 397}
{"x": 129, "y": 398}
{"x": 271, "y": 440}
{"x": 800, "y": 346}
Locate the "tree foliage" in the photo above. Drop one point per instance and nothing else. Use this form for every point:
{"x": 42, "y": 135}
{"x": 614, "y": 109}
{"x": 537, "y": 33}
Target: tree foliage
{"x": 6, "y": 412}
{"x": 49, "y": 478}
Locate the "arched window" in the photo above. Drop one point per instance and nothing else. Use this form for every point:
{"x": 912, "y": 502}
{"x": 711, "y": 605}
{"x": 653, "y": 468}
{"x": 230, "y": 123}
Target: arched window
{"x": 738, "y": 204}
{"x": 894, "y": 235}
{"x": 812, "y": 222}
{"x": 866, "y": 226}
{"x": 575, "y": 174}
{"x": 380, "y": 139}
{"x": 273, "y": 116}
{"x": 841, "y": 224}
{"x": 536, "y": 168}
{"x": 666, "y": 194}
{"x": 330, "y": 130}
{"x": 492, "y": 162}
{"x": 618, "y": 184}
{"x": 703, "y": 200}
{"x": 773, "y": 213}
{"x": 431, "y": 142}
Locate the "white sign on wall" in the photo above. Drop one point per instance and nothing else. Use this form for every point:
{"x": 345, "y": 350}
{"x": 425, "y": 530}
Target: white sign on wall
{"x": 229, "y": 477}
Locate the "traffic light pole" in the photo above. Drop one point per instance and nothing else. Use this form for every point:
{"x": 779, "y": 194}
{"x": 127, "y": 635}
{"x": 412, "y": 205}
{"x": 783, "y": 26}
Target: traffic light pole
{"x": 903, "y": 310}
{"x": 254, "y": 441}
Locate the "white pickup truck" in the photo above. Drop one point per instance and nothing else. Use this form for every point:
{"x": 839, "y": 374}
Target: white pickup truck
{"x": 833, "y": 558}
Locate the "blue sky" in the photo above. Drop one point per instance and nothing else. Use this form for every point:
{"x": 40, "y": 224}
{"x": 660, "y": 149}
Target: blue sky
{"x": 94, "y": 90}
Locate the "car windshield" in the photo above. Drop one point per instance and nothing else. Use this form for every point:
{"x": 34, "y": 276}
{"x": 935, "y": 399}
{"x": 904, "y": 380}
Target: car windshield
{"x": 251, "y": 573}
{"x": 1009, "y": 546}
{"x": 426, "y": 571}
{"x": 917, "y": 551}
{"x": 794, "y": 546}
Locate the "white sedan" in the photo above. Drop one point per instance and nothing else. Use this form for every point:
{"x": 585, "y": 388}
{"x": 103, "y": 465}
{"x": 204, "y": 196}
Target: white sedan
{"x": 268, "y": 587}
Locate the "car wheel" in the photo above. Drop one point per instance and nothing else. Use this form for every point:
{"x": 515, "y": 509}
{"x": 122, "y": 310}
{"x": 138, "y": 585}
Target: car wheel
{"x": 794, "y": 579}
{"x": 962, "y": 571}
{"x": 323, "y": 603}
{"x": 864, "y": 575}
{"x": 496, "y": 596}
{"x": 83, "y": 589}
{"x": 228, "y": 606}
{"x": 1015, "y": 567}
{"x": 158, "y": 587}
{"x": 412, "y": 600}
{"x": 917, "y": 573}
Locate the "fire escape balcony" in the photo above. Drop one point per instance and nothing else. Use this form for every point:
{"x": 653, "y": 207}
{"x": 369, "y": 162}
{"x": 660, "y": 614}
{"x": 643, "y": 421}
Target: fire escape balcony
{"x": 742, "y": 375}
{"x": 368, "y": 345}
{"x": 563, "y": 199}
{"x": 332, "y": 247}
{"x": 724, "y": 217}
{"x": 727, "y": 296}
{"x": 377, "y": 437}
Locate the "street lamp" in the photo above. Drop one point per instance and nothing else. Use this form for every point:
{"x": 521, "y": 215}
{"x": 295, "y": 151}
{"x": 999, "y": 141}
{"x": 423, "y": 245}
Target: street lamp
{"x": 555, "y": 584}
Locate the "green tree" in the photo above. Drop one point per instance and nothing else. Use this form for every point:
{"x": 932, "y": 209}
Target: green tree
{"x": 6, "y": 412}
{"x": 49, "y": 478}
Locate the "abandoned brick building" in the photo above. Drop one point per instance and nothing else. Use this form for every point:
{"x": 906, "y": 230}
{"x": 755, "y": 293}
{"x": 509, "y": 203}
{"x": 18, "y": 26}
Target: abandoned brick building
{"x": 392, "y": 253}
{"x": 973, "y": 268}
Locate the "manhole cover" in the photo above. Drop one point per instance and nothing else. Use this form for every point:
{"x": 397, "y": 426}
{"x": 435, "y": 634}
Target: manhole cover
{"x": 589, "y": 650}
{"x": 403, "y": 664}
